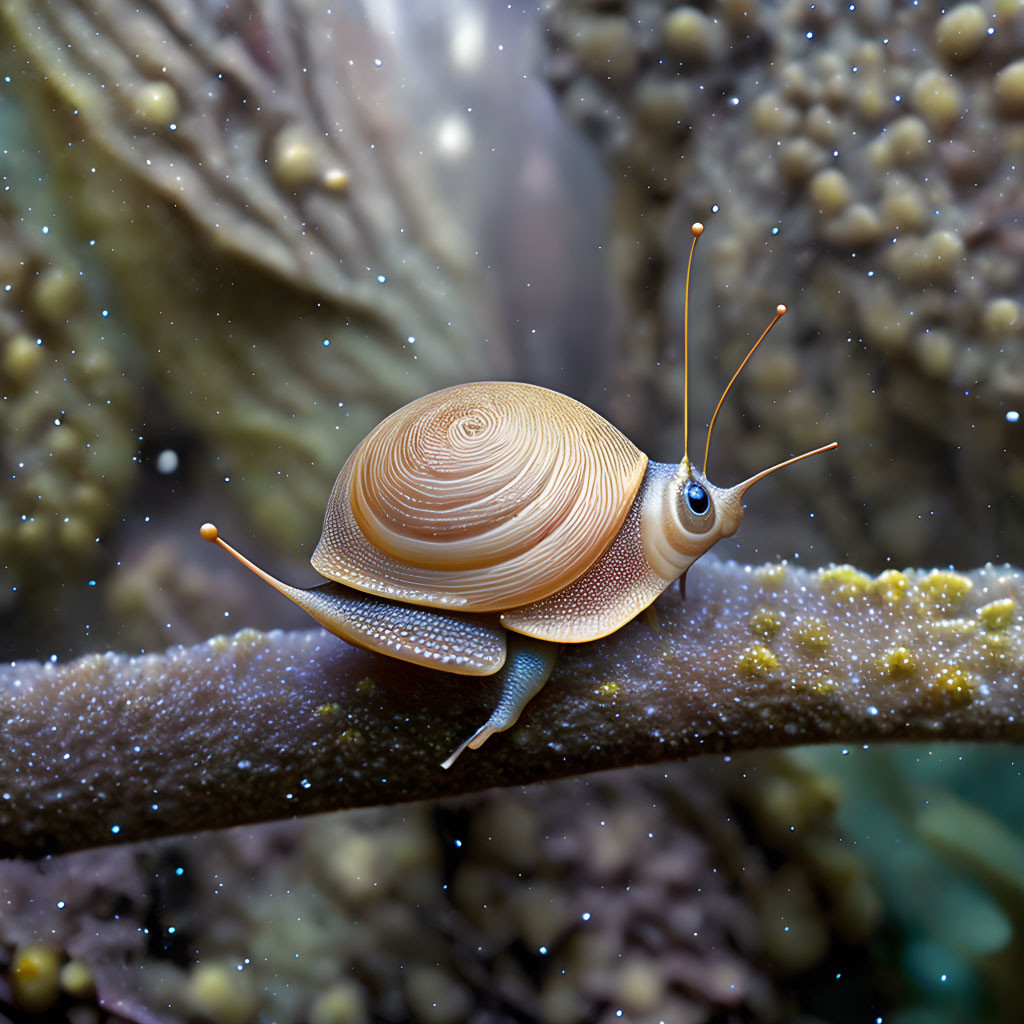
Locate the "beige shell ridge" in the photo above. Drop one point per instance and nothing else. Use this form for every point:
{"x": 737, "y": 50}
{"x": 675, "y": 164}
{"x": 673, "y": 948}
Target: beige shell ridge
{"x": 481, "y": 497}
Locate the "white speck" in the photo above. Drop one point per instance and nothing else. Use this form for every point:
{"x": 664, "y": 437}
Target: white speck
{"x": 167, "y": 461}
{"x": 1012, "y": 416}
{"x": 454, "y": 137}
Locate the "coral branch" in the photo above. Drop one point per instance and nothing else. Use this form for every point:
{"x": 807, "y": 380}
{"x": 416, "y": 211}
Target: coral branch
{"x": 258, "y": 726}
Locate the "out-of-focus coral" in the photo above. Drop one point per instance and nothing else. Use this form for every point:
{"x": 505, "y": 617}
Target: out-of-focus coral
{"x": 940, "y": 835}
{"x": 676, "y": 895}
{"x": 861, "y": 163}
{"x": 65, "y": 455}
{"x": 274, "y": 245}
{"x": 989, "y": 851}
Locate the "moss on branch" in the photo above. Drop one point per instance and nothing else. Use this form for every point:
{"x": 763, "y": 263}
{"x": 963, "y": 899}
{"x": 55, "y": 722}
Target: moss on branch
{"x": 253, "y": 727}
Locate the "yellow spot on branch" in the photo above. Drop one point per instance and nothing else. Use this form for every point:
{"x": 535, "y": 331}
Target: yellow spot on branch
{"x": 759, "y": 662}
{"x": 608, "y": 689}
{"x": 897, "y": 663}
{"x": 766, "y": 622}
{"x": 246, "y": 638}
{"x": 943, "y": 591}
{"x": 843, "y": 582}
{"x": 952, "y": 685}
{"x": 770, "y": 577}
{"x": 890, "y": 586}
{"x": 997, "y": 615}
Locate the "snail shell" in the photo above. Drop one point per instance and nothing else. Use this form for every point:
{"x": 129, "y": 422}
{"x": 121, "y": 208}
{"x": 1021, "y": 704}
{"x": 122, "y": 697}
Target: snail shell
{"x": 481, "y": 497}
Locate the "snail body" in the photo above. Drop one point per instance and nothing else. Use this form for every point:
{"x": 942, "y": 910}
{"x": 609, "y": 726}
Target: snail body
{"x": 559, "y": 524}
{"x": 481, "y": 527}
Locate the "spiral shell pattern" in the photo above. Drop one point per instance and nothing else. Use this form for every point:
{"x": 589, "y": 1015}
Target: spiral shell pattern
{"x": 480, "y": 497}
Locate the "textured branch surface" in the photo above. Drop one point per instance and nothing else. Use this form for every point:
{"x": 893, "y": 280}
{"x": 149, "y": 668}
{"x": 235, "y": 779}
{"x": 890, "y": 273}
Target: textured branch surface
{"x": 259, "y": 726}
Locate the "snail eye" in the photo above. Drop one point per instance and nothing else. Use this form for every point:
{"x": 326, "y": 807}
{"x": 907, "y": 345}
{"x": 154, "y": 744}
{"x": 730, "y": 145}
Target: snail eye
{"x": 695, "y": 508}
{"x": 697, "y": 499}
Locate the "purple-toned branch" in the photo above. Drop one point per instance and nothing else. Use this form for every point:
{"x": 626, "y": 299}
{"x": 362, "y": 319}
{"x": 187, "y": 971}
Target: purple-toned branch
{"x": 253, "y": 727}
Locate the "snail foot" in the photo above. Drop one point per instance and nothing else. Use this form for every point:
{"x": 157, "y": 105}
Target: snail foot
{"x": 526, "y": 670}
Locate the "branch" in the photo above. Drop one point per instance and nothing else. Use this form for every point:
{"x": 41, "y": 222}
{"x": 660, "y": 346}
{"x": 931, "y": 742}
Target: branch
{"x": 254, "y": 727}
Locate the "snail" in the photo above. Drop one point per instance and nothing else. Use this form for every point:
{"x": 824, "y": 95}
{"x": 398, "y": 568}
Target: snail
{"x": 480, "y": 528}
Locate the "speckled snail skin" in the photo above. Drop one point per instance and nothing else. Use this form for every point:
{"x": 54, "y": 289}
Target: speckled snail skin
{"x": 479, "y": 528}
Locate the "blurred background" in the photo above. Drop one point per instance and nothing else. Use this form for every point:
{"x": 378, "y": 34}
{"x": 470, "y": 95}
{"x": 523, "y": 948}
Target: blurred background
{"x": 234, "y": 236}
